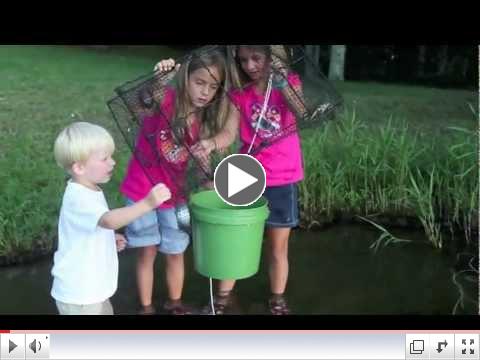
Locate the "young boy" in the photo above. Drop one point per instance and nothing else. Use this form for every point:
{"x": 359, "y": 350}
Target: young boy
{"x": 85, "y": 270}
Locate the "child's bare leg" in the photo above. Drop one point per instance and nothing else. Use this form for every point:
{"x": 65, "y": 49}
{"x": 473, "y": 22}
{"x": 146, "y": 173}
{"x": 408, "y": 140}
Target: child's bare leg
{"x": 278, "y": 258}
{"x": 225, "y": 286}
{"x": 222, "y": 298}
{"x": 145, "y": 262}
{"x": 175, "y": 274}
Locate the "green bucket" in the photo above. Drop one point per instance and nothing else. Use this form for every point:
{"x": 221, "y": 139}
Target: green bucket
{"x": 227, "y": 240}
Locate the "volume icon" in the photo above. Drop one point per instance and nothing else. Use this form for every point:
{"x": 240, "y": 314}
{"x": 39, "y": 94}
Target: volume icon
{"x": 35, "y": 346}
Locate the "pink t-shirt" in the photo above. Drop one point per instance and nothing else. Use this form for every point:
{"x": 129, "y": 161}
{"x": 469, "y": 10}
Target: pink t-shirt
{"x": 157, "y": 158}
{"x": 282, "y": 160}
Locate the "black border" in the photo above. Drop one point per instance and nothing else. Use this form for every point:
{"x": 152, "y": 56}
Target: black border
{"x": 311, "y": 27}
{"x": 241, "y": 322}
{"x": 236, "y": 22}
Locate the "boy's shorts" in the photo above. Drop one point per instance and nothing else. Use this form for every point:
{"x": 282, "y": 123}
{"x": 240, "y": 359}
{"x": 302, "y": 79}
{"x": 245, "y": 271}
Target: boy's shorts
{"x": 158, "y": 227}
{"x": 283, "y": 205}
{"x": 101, "y": 308}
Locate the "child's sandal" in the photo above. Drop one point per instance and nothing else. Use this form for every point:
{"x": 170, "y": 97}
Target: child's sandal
{"x": 278, "y": 306}
{"x": 178, "y": 308}
{"x": 147, "y": 310}
{"x": 221, "y": 301}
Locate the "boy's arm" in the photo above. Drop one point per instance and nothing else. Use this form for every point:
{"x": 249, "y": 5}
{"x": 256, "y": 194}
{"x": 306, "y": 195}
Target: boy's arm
{"x": 117, "y": 218}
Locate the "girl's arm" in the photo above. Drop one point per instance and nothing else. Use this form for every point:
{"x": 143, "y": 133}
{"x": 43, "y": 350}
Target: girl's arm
{"x": 293, "y": 93}
{"x": 226, "y": 136}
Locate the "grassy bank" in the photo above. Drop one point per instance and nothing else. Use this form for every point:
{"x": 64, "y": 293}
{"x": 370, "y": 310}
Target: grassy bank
{"x": 397, "y": 150}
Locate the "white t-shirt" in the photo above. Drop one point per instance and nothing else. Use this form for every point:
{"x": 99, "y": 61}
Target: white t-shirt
{"x": 85, "y": 269}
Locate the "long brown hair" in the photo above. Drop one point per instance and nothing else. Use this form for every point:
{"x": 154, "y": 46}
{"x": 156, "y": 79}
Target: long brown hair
{"x": 239, "y": 77}
{"x": 275, "y": 53}
{"x": 213, "y": 116}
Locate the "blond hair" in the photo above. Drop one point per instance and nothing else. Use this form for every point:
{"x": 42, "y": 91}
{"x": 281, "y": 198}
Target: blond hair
{"x": 77, "y": 142}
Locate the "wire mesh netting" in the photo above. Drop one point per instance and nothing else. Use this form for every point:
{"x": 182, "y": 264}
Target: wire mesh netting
{"x": 163, "y": 120}
{"x": 310, "y": 96}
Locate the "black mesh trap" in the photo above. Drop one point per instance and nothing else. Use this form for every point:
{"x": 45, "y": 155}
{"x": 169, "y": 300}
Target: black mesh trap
{"x": 313, "y": 100}
{"x": 162, "y": 140}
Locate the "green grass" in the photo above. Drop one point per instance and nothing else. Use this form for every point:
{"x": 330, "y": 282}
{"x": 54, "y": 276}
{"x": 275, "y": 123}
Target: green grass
{"x": 357, "y": 168}
{"x": 363, "y": 163}
{"x": 426, "y": 109}
{"x": 42, "y": 89}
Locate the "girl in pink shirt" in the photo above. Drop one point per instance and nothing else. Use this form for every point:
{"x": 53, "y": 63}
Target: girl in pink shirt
{"x": 269, "y": 92}
{"x": 191, "y": 109}
{"x": 282, "y": 159}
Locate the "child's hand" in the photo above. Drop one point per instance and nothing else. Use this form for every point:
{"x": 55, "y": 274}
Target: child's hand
{"x": 121, "y": 242}
{"x": 166, "y": 66}
{"x": 280, "y": 73}
{"x": 279, "y": 66}
{"x": 209, "y": 185}
{"x": 158, "y": 195}
{"x": 202, "y": 149}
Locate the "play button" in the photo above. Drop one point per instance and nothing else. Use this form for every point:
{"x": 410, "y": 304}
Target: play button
{"x": 11, "y": 346}
{"x": 239, "y": 180}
